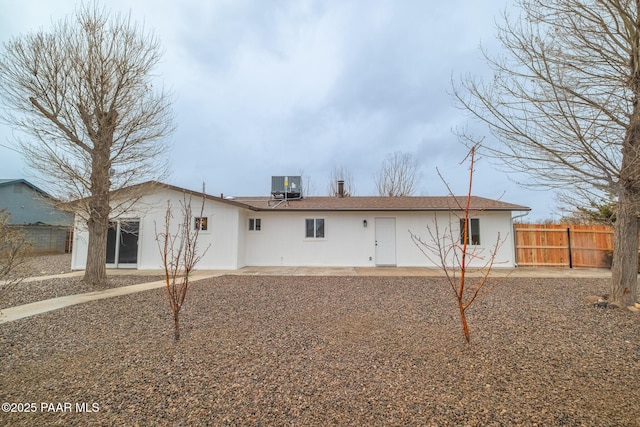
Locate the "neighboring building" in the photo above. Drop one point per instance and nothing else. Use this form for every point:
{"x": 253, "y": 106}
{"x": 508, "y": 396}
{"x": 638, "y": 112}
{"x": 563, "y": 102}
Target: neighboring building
{"x": 48, "y": 228}
{"x": 309, "y": 231}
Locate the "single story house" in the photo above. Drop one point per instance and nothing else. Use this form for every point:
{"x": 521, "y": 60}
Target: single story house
{"x": 302, "y": 231}
{"x": 34, "y": 211}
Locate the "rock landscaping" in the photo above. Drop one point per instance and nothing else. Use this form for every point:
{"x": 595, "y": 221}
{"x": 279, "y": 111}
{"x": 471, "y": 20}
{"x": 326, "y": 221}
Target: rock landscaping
{"x": 317, "y": 351}
{"x": 49, "y": 265}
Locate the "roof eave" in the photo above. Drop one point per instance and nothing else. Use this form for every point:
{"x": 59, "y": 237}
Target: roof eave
{"x": 320, "y": 209}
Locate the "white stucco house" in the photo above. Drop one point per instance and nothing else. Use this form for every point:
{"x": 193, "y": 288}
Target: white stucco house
{"x": 301, "y": 231}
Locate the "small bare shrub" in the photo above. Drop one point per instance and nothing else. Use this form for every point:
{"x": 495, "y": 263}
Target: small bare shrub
{"x": 179, "y": 251}
{"x": 454, "y": 255}
{"x": 14, "y": 248}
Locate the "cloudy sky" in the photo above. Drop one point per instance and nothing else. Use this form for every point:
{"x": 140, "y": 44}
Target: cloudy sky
{"x": 291, "y": 87}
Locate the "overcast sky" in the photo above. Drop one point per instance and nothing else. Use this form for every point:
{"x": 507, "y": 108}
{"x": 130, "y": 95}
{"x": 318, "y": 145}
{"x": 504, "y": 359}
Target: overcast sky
{"x": 281, "y": 87}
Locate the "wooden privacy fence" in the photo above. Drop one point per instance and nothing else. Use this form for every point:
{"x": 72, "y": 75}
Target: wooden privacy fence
{"x": 550, "y": 245}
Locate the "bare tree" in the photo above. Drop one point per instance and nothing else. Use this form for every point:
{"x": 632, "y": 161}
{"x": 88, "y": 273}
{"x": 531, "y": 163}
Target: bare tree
{"x": 598, "y": 212}
{"x": 179, "y": 252}
{"x": 340, "y": 173}
{"x": 83, "y": 95}
{"x": 453, "y": 253}
{"x": 307, "y": 185}
{"x": 14, "y": 248}
{"x": 398, "y": 175}
{"x": 563, "y": 104}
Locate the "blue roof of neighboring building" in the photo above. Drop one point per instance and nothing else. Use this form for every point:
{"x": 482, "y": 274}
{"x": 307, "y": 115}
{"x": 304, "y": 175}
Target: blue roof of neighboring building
{"x": 4, "y": 182}
{"x": 32, "y": 206}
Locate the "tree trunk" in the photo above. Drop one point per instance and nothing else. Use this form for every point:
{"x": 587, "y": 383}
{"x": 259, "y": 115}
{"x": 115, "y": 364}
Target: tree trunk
{"x": 176, "y": 325}
{"x": 624, "y": 274}
{"x": 96, "y": 271}
{"x": 98, "y": 222}
{"x": 463, "y": 319}
{"x": 624, "y": 271}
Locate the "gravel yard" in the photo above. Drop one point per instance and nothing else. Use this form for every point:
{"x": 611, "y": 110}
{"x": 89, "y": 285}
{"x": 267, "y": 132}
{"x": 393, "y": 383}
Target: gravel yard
{"x": 45, "y": 265}
{"x": 307, "y": 351}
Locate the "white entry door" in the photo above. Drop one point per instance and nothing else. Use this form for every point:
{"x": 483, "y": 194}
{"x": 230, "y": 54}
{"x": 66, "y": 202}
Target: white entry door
{"x": 385, "y": 241}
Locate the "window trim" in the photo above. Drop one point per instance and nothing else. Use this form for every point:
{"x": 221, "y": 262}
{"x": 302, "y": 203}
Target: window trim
{"x": 255, "y": 224}
{"x": 197, "y": 221}
{"x": 318, "y": 224}
{"x": 473, "y": 232}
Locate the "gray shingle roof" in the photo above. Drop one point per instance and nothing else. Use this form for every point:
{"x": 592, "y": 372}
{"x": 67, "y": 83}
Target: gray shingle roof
{"x": 355, "y": 203}
{"x": 372, "y": 203}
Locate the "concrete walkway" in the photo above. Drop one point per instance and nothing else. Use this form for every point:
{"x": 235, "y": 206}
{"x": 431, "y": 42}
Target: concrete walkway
{"x": 21, "y": 311}
{"x": 372, "y": 271}
{"x": 32, "y": 309}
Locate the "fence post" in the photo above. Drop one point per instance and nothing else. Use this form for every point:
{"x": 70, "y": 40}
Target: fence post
{"x": 569, "y": 246}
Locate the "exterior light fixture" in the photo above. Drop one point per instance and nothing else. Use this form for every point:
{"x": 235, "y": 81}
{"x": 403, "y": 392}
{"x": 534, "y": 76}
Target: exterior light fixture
{"x": 364, "y": 223}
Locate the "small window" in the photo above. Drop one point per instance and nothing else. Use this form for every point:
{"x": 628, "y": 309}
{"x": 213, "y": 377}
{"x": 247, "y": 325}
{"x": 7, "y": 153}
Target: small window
{"x": 473, "y": 231}
{"x": 314, "y": 228}
{"x": 201, "y": 223}
{"x": 255, "y": 224}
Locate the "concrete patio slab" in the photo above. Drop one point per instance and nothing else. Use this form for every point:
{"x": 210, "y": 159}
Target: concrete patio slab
{"x": 382, "y": 271}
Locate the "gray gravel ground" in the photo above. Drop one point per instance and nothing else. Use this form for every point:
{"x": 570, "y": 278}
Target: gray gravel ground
{"x": 45, "y": 265}
{"x": 316, "y": 351}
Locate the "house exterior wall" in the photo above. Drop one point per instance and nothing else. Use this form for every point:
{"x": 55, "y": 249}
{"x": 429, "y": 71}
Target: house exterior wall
{"x": 27, "y": 206}
{"x": 493, "y": 226}
{"x": 79, "y": 245}
{"x": 241, "y": 238}
{"x": 221, "y": 236}
{"x": 281, "y": 240}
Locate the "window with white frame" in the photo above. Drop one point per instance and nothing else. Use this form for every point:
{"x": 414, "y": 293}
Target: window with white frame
{"x": 314, "y": 228}
{"x": 255, "y": 224}
{"x": 473, "y": 231}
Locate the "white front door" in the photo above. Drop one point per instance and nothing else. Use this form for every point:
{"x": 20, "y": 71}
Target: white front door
{"x": 385, "y": 241}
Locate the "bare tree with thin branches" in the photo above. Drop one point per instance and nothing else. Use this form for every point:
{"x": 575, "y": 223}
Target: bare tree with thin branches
{"x": 340, "y": 173}
{"x": 307, "y": 184}
{"x": 83, "y": 95}
{"x": 453, "y": 253}
{"x": 398, "y": 175}
{"x": 563, "y": 104}
{"x": 14, "y": 248}
{"x": 180, "y": 254}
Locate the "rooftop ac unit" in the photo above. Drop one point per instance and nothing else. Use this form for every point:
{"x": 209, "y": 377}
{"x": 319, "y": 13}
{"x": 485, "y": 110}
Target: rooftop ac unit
{"x": 289, "y": 187}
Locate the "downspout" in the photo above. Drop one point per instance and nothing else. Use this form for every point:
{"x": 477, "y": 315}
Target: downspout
{"x": 515, "y": 243}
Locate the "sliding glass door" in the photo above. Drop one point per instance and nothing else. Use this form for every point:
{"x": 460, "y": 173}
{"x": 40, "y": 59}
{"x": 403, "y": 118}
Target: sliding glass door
{"x": 122, "y": 244}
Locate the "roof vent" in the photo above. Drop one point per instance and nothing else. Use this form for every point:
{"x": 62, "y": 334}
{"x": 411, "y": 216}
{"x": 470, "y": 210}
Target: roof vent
{"x": 286, "y": 187}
